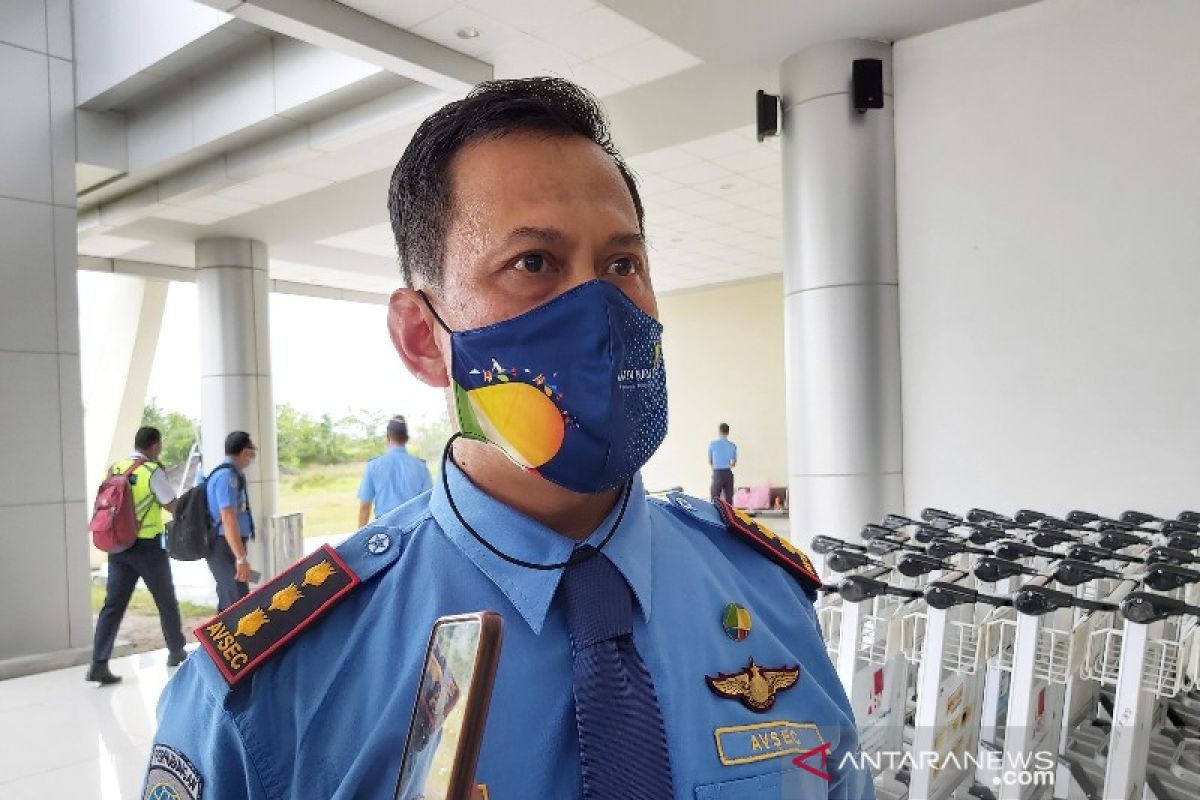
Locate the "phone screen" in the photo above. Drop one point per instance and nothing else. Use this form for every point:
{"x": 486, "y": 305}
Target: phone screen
{"x": 450, "y": 710}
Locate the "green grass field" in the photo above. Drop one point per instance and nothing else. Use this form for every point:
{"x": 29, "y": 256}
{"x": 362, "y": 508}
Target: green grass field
{"x": 142, "y": 604}
{"x": 326, "y": 495}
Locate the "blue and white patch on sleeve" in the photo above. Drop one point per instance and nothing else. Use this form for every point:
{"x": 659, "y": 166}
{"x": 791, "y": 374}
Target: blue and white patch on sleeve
{"x": 171, "y": 776}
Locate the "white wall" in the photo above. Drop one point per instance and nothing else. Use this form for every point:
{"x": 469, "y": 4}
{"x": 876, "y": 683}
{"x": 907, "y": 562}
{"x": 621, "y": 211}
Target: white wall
{"x": 724, "y": 355}
{"x": 1048, "y": 181}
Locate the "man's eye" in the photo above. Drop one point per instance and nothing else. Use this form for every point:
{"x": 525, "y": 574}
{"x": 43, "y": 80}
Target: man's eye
{"x": 623, "y": 267}
{"x": 532, "y": 263}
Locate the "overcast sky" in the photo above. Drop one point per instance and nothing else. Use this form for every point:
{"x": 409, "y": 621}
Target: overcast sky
{"x": 327, "y": 356}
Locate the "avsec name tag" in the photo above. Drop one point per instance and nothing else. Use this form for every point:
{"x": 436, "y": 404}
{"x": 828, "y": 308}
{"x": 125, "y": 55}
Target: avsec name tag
{"x": 745, "y": 744}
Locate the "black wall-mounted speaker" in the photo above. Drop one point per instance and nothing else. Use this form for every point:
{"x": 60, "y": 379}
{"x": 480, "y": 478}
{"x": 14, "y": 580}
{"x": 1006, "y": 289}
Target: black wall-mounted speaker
{"x": 867, "y": 84}
{"x": 766, "y": 114}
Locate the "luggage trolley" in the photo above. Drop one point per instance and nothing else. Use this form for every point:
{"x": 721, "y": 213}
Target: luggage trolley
{"x": 1156, "y": 656}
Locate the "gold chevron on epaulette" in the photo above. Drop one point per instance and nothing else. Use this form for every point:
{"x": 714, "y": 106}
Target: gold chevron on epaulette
{"x": 242, "y": 636}
{"x": 766, "y": 541}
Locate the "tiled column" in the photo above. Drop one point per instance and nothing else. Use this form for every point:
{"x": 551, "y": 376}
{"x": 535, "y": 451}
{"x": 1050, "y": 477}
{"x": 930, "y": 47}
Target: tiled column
{"x": 44, "y": 588}
{"x": 235, "y": 369}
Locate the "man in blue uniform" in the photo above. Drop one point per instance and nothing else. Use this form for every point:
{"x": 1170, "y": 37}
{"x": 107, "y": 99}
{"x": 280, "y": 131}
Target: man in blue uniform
{"x": 229, "y": 510}
{"x": 652, "y": 649}
{"x": 722, "y": 457}
{"x": 394, "y": 478}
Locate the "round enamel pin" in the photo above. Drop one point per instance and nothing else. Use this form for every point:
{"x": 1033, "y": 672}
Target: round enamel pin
{"x": 736, "y": 621}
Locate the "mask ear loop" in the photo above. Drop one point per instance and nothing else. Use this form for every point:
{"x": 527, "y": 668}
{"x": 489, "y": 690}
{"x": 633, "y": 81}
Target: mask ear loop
{"x": 577, "y": 557}
{"x": 433, "y": 311}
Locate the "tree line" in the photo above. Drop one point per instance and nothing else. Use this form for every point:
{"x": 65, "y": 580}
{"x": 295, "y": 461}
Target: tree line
{"x": 305, "y": 439}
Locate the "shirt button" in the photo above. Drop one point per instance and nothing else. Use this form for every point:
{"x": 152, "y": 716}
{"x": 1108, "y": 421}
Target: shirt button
{"x": 378, "y": 543}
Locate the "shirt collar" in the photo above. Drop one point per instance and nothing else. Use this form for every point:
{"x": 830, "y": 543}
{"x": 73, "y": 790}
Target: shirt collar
{"x": 532, "y": 590}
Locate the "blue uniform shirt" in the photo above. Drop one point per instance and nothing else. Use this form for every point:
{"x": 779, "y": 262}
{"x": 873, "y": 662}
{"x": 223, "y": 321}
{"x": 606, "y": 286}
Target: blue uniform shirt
{"x": 722, "y": 453}
{"x": 224, "y": 490}
{"x": 393, "y": 479}
{"x": 326, "y": 715}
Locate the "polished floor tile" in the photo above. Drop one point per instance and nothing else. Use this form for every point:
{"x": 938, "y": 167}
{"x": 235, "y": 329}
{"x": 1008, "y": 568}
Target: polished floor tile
{"x": 60, "y": 734}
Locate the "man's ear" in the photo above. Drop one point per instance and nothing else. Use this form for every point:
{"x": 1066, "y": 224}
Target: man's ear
{"x": 414, "y": 334}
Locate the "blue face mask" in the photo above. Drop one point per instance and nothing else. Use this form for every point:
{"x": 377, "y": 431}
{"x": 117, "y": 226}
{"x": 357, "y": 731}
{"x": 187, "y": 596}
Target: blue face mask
{"x": 574, "y": 389}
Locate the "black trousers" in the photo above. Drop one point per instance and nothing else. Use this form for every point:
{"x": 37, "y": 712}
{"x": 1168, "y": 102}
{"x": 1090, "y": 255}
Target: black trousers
{"x": 222, "y": 563}
{"x": 146, "y": 560}
{"x": 722, "y": 485}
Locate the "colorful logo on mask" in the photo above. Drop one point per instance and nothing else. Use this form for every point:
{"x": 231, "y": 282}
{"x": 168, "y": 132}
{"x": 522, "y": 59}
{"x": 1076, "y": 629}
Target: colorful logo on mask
{"x": 515, "y": 411}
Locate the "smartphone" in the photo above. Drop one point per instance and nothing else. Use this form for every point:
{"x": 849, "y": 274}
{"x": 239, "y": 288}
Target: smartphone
{"x": 451, "y": 709}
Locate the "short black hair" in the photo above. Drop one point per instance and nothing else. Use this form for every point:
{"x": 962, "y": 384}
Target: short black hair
{"x": 723, "y": 429}
{"x": 236, "y": 442}
{"x": 397, "y": 430}
{"x": 146, "y": 437}
{"x": 419, "y": 199}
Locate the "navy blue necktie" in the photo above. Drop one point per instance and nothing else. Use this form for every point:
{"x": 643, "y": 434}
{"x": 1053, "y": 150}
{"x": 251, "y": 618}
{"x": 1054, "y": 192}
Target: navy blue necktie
{"x": 622, "y": 741}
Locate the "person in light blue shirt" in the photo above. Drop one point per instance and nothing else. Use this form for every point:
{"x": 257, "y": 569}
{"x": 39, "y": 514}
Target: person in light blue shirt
{"x": 229, "y": 511}
{"x": 652, "y": 649}
{"x": 722, "y": 457}
{"x": 393, "y": 478}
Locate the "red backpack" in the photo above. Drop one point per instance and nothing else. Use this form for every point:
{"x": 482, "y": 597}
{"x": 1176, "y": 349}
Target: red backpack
{"x": 114, "y": 524}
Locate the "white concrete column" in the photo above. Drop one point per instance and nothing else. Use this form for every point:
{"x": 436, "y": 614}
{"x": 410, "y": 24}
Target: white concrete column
{"x": 235, "y": 368}
{"x": 115, "y": 399}
{"x": 43, "y": 522}
{"x": 841, "y": 317}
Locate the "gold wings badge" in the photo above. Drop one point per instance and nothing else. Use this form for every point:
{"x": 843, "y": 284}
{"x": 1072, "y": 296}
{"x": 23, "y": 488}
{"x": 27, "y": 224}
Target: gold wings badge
{"x": 755, "y": 686}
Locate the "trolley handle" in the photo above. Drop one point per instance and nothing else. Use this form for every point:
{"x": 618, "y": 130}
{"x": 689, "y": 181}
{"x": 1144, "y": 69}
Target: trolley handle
{"x": 1093, "y": 554}
{"x": 1072, "y": 572}
{"x": 983, "y": 535}
{"x": 1192, "y": 517}
{"x": 914, "y": 565}
{"x": 1118, "y": 539}
{"x": 981, "y": 515}
{"x": 944, "y": 595}
{"x": 1169, "y": 555}
{"x": 1163, "y": 577}
{"x": 1015, "y": 551}
{"x": 944, "y": 548}
{"x": 932, "y": 514}
{"x": 847, "y": 560}
{"x": 864, "y": 586}
{"x": 1035, "y": 601}
{"x": 1144, "y": 608}
{"x": 1086, "y": 518}
{"x": 1050, "y": 537}
{"x": 897, "y": 521}
{"x": 928, "y": 533}
{"x": 1027, "y": 516}
{"x": 1184, "y": 540}
{"x": 1179, "y": 526}
{"x": 1139, "y": 518}
{"x": 827, "y": 544}
{"x": 990, "y": 569}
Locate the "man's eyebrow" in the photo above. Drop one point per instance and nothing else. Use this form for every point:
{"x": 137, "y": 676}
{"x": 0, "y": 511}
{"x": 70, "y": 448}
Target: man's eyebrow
{"x": 555, "y": 236}
{"x": 627, "y": 240}
{"x": 551, "y": 235}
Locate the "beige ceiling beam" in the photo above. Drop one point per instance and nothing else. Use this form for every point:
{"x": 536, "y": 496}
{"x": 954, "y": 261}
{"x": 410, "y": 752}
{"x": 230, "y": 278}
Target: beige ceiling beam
{"x": 147, "y": 269}
{"x": 331, "y": 25}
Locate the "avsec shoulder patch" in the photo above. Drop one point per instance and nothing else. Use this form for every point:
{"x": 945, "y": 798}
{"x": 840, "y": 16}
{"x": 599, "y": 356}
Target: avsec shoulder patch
{"x": 242, "y": 636}
{"x": 763, "y": 539}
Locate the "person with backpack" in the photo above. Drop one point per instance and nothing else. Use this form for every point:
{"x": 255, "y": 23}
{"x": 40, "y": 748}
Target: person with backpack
{"x": 229, "y": 511}
{"x": 151, "y": 492}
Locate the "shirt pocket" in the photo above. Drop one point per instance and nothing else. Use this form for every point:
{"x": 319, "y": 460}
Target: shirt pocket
{"x": 791, "y": 783}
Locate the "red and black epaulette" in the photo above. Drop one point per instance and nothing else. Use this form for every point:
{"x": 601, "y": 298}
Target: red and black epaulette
{"x": 771, "y": 544}
{"x": 244, "y": 635}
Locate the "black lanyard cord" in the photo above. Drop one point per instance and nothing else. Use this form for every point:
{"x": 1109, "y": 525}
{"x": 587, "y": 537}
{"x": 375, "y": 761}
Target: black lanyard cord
{"x": 578, "y": 556}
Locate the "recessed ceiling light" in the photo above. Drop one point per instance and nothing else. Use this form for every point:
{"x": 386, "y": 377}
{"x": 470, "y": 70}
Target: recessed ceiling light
{"x": 468, "y": 33}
